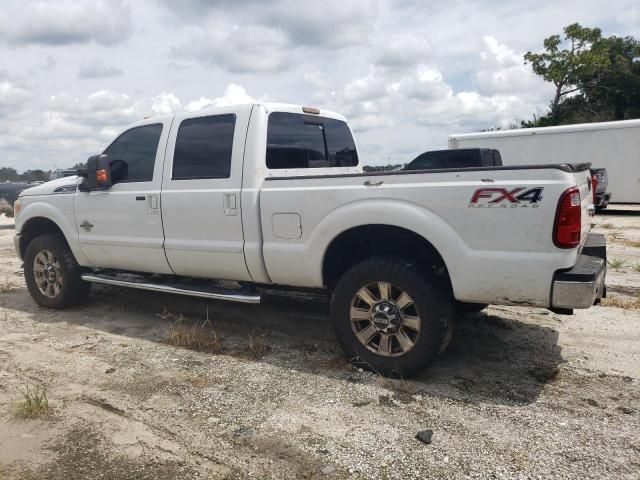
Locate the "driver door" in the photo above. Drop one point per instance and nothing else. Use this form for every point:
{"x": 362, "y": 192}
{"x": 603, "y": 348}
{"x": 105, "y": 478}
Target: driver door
{"x": 121, "y": 227}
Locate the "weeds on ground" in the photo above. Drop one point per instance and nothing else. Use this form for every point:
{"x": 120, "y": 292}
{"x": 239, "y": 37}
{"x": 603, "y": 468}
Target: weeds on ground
{"x": 616, "y": 263}
{"x": 636, "y": 267}
{"x": 35, "y": 402}
{"x": 256, "y": 346}
{"x": 627, "y": 303}
{"x": 193, "y": 335}
{"x": 7, "y": 286}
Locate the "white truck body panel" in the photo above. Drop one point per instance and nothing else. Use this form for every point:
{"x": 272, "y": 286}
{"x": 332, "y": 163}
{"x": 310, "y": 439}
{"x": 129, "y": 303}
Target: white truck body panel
{"x": 274, "y": 226}
{"x": 612, "y": 145}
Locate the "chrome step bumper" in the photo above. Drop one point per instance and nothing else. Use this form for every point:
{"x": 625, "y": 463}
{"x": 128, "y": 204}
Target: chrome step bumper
{"x": 240, "y": 295}
{"x": 583, "y": 284}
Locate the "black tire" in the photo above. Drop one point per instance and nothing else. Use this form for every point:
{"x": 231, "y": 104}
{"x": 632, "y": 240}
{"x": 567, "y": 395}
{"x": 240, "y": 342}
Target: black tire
{"x": 468, "y": 308}
{"x": 72, "y": 290}
{"x": 432, "y": 303}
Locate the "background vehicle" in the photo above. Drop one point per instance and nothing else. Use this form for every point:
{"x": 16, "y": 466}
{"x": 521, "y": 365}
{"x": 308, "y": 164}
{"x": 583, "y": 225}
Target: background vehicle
{"x": 600, "y": 182}
{"x": 273, "y": 194}
{"x": 611, "y": 145}
{"x": 9, "y": 192}
{"x": 457, "y": 158}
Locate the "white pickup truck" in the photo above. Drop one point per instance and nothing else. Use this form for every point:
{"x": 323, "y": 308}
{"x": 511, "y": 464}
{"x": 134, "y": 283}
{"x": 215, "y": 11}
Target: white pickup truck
{"x": 270, "y": 195}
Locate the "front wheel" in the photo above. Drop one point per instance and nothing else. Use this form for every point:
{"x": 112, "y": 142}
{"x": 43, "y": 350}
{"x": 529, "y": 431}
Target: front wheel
{"x": 52, "y": 274}
{"x": 389, "y": 316}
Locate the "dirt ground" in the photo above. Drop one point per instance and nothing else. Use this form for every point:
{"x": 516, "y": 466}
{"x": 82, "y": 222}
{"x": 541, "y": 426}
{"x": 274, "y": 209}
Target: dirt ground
{"x": 521, "y": 393}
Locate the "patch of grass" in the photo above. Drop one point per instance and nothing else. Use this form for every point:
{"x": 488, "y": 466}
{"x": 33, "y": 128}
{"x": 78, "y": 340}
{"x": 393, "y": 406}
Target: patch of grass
{"x": 616, "y": 263}
{"x": 256, "y": 346}
{"x": 7, "y": 286}
{"x": 193, "y": 335}
{"x": 35, "y": 402}
{"x": 636, "y": 267}
{"x": 627, "y": 303}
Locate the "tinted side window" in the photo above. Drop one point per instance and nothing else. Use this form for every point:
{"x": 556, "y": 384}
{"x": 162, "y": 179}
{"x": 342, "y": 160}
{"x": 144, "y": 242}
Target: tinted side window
{"x": 203, "y": 148}
{"x": 462, "y": 159}
{"x": 303, "y": 141}
{"x": 428, "y": 161}
{"x": 137, "y": 147}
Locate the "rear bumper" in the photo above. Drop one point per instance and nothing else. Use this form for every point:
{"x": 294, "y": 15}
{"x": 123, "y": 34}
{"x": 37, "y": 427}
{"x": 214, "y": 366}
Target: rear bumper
{"x": 584, "y": 283}
{"x": 602, "y": 200}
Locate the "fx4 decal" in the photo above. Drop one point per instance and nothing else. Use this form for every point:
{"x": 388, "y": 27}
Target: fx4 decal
{"x": 522, "y": 197}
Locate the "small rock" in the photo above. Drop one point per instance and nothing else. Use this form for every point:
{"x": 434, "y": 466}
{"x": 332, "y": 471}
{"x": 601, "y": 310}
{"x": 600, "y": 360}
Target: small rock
{"x": 626, "y": 410}
{"x": 328, "y": 469}
{"x": 110, "y": 370}
{"x": 243, "y": 432}
{"x": 425, "y": 436}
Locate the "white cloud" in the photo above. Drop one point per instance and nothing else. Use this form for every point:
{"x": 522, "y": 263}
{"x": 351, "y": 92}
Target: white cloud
{"x": 98, "y": 69}
{"x": 233, "y": 95}
{"x": 12, "y": 98}
{"x": 71, "y": 22}
{"x": 502, "y": 70}
{"x": 252, "y": 48}
{"x": 402, "y": 50}
{"x": 165, "y": 104}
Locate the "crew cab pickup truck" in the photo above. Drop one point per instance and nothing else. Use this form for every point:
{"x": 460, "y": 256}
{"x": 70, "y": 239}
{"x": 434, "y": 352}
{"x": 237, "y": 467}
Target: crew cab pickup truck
{"x": 273, "y": 195}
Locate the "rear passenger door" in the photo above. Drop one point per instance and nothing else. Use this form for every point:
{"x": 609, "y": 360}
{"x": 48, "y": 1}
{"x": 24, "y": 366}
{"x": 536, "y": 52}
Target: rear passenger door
{"x": 201, "y": 194}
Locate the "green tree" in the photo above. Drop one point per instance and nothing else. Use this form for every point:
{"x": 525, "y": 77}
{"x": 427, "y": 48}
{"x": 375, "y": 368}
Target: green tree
{"x": 564, "y": 67}
{"x": 596, "y": 78}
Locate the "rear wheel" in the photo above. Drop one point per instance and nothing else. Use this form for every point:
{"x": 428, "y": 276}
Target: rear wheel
{"x": 52, "y": 273}
{"x": 389, "y": 316}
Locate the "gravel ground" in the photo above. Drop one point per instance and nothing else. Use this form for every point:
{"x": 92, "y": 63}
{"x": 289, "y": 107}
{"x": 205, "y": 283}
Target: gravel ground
{"x": 521, "y": 393}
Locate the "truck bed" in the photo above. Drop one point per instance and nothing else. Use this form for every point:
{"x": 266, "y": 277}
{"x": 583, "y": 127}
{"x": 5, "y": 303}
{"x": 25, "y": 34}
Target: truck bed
{"x": 512, "y": 240}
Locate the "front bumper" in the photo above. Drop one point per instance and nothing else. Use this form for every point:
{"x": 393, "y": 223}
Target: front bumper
{"x": 583, "y": 284}
{"x": 16, "y": 244}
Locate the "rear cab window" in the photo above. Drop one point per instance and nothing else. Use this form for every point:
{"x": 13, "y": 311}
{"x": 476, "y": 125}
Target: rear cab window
{"x": 299, "y": 141}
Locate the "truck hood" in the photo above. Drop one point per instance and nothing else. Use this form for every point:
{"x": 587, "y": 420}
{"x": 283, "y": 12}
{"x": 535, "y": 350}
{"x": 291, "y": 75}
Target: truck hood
{"x": 50, "y": 187}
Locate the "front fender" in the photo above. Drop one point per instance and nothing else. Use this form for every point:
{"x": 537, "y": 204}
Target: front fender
{"x": 60, "y": 213}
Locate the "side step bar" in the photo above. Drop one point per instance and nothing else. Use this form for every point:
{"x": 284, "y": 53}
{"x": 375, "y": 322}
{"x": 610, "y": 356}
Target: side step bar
{"x": 179, "y": 289}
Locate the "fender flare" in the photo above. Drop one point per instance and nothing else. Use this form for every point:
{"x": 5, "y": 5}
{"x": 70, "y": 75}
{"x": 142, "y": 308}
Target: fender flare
{"x": 396, "y": 213}
{"x": 42, "y": 209}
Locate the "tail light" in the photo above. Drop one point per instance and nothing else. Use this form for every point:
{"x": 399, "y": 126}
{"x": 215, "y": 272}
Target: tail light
{"x": 594, "y": 186}
{"x": 567, "y": 228}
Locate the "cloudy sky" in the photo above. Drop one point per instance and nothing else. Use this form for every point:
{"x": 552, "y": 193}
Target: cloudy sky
{"x": 406, "y": 72}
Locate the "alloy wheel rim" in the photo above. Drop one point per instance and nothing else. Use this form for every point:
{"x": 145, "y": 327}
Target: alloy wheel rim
{"x": 385, "y": 319}
{"x": 47, "y": 273}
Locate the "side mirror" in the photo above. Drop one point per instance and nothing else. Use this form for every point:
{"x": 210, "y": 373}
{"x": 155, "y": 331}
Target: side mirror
{"x": 98, "y": 174}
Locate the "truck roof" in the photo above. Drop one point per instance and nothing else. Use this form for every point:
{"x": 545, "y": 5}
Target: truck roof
{"x": 578, "y": 127}
{"x": 268, "y": 106}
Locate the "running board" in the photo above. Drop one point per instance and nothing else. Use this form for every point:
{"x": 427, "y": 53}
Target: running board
{"x": 178, "y": 289}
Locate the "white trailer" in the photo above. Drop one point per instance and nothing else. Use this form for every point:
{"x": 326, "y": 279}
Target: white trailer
{"x": 612, "y": 145}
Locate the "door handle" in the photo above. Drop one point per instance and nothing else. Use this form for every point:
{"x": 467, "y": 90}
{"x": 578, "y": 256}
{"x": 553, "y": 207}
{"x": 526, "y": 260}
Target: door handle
{"x": 141, "y": 197}
{"x": 229, "y": 204}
